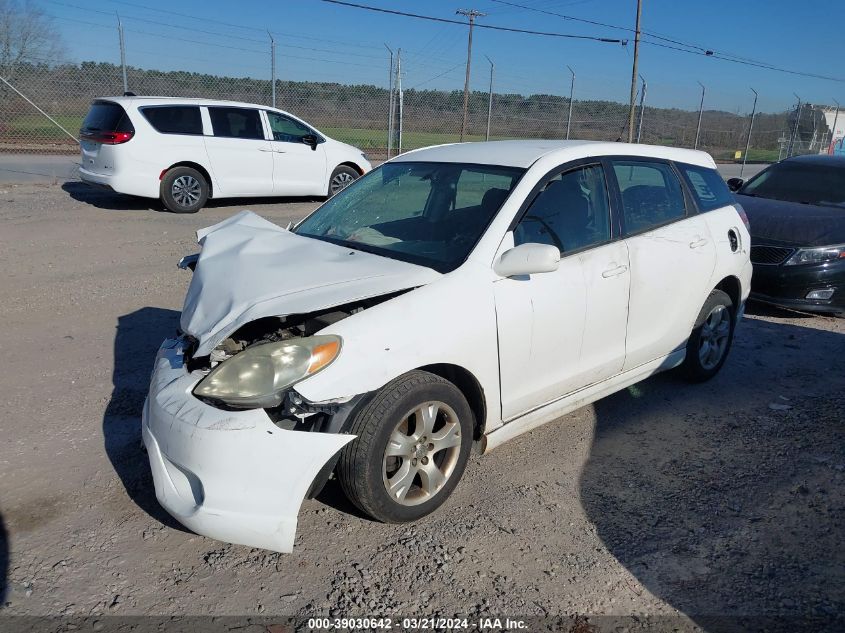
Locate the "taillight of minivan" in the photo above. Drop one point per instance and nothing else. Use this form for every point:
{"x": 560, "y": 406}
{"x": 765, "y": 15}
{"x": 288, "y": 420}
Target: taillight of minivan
{"x": 107, "y": 123}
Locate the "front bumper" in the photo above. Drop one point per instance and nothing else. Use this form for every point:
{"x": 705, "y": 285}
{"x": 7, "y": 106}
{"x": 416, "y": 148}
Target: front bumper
{"x": 229, "y": 475}
{"x": 788, "y": 286}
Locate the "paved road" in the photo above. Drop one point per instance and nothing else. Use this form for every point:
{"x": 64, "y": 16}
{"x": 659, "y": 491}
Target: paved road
{"x": 35, "y": 168}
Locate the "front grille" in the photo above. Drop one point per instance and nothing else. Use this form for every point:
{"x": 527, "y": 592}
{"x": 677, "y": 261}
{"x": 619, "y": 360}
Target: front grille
{"x": 770, "y": 255}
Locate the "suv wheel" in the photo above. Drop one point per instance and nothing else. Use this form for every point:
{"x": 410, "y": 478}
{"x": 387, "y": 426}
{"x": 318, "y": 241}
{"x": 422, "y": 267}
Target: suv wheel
{"x": 711, "y": 338}
{"x": 184, "y": 190}
{"x": 413, "y": 444}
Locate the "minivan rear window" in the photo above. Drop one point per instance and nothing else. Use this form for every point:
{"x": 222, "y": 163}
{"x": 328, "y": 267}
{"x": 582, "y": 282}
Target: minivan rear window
{"x": 174, "y": 119}
{"x": 105, "y": 116}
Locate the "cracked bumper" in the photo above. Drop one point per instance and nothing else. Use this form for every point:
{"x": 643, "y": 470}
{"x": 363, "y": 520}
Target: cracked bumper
{"x": 229, "y": 475}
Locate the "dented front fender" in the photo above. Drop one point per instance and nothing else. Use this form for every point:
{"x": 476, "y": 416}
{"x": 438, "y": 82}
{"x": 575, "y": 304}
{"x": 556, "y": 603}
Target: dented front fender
{"x": 229, "y": 475}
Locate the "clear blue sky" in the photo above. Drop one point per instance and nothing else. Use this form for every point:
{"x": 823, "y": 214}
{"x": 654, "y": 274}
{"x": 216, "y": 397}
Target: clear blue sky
{"x": 334, "y": 43}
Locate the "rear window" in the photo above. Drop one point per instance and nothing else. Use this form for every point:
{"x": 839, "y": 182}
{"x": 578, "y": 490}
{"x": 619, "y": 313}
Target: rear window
{"x": 105, "y": 116}
{"x": 236, "y": 123}
{"x": 707, "y": 186}
{"x": 174, "y": 119}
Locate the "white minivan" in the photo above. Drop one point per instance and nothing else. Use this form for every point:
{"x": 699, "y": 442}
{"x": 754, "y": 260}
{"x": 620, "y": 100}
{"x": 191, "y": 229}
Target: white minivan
{"x": 457, "y": 294}
{"x": 184, "y": 151}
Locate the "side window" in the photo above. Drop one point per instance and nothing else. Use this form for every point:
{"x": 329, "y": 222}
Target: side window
{"x": 287, "y": 130}
{"x": 174, "y": 119}
{"x": 236, "y": 123}
{"x": 571, "y": 212}
{"x": 707, "y": 186}
{"x": 651, "y": 194}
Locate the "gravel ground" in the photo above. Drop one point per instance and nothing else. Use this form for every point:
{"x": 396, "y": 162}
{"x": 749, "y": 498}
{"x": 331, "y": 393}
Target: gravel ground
{"x": 666, "y": 499}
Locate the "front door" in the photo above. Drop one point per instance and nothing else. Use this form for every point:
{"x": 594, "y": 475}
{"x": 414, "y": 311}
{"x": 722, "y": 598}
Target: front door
{"x": 564, "y": 330}
{"x": 298, "y": 169}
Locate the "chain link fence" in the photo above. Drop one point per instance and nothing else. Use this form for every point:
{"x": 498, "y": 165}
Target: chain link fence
{"x": 359, "y": 113}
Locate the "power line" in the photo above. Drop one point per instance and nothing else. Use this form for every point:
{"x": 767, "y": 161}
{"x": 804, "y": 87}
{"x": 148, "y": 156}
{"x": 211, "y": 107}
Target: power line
{"x": 698, "y": 50}
{"x": 491, "y": 27}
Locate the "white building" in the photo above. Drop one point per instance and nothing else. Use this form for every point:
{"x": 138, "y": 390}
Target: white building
{"x": 835, "y": 123}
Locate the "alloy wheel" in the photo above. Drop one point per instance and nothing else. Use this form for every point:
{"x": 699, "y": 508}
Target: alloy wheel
{"x": 422, "y": 453}
{"x": 186, "y": 190}
{"x": 341, "y": 181}
{"x": 714, "y": 337}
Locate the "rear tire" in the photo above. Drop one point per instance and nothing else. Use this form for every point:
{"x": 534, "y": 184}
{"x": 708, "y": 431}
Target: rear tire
{"x": 342, "y": 177}
{"x": 710, "y": 341}
{"x": 183, "y": 190}
{"x": 413, "y": 444}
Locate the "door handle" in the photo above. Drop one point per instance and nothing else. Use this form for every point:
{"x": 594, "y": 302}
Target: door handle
{"x": 698, "y": 243}
{"x": 614, "y": 272}
{"x": 262, "y": 149}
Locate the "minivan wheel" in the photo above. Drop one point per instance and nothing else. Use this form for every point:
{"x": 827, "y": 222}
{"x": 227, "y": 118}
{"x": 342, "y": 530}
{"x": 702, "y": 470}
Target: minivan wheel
{"x": 184, "y": 190}
{"x": 711, "y": 338}
{"x": 413, "y": 444}
{"x": 342, "y": 177}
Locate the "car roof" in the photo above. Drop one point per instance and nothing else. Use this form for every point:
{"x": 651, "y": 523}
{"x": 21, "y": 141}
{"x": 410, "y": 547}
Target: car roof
{"x": 146, "y": 100}
{"x": 524, "y": 153}
{"x": 818, "y": 159}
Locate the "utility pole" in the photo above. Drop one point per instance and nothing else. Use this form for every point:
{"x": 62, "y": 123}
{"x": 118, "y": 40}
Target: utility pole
{"x": 471, "y": 14}
{"x": 571, "y": 92}
{"x": 700, "y": 112}
{"x": 273, "y": 66}
{"x": 835, "y": 120}
{"x": 489, "y": 100}
{"x": 795, "y": 128}
{"x": 642, "y": 108}
{"x": 400, "y": 97}
{"x": 632, "y": 104}
{"x": 391, "y": 105}
{"x": 748, "y": 138}
{"x": 122, "y": 53}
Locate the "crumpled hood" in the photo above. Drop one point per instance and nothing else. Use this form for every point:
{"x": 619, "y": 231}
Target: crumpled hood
{"x": 251, "y": 268}
{"x": 793, "y": 223}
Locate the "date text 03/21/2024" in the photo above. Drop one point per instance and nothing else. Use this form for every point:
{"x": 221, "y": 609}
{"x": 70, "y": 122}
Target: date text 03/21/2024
{"x": 419, "y": 624}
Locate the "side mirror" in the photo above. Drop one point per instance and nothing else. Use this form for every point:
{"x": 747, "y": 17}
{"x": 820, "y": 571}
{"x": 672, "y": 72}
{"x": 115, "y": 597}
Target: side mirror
{"x": 528, "y": 259}
{"x": 310, "y": 139}
{"x": 735, "y": 183}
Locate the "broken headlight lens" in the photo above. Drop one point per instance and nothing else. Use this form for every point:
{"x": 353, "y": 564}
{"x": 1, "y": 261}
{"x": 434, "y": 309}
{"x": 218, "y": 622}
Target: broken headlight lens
{"x": 258, "y": 376}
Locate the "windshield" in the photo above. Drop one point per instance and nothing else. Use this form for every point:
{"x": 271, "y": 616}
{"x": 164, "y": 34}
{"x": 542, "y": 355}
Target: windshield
{"x": 796, "y": 182}
{"x": 430, "y": 214}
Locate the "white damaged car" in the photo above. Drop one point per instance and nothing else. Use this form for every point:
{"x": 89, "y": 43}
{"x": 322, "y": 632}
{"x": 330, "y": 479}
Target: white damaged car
{"x": 456, "y": 295}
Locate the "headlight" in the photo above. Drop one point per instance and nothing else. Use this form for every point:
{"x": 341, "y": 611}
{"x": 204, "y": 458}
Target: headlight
{"x": 258, "y": 376}
{"x": 816, "y": 255}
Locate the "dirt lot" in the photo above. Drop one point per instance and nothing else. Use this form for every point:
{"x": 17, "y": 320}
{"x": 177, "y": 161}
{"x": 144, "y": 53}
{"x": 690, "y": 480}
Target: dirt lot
{"x": 665, "y": 499}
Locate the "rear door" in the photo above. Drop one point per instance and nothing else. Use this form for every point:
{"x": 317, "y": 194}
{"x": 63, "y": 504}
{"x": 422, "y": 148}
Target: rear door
{"x": 298, "y": 169}
{"x": 564, "y": 330}
{"x": 672, "y": 257}
{"x": 240, "y": 155}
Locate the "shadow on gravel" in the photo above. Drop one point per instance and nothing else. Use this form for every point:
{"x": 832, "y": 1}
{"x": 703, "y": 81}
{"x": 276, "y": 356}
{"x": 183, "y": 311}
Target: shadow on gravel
{"x": 107, "y": 199}
{"x": 136, "y": 342}
{"x": 726, "y": 498}
{"x": 4, "y": 561}
{"x": 332, "y": 496}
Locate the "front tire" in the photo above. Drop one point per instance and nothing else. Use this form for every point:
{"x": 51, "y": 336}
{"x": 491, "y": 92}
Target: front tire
{"x": 413, "y": 444}
{"x": 341, "y": 178}
{"x": 711, "y": 338}
{"x": 183, "y": 190}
